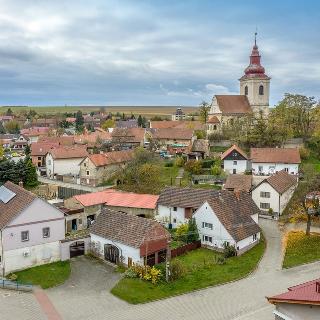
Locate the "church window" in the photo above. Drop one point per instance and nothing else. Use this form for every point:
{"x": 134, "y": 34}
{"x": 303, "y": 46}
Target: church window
{"x": 214, "y": 127}
{"x": 246, "y": 90}
{"x": 261, "y": 89}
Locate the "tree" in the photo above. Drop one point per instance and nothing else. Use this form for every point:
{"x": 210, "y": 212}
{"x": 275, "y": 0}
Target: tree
{"x": 12, "y": 127}
{"x": 193, "y": 234}
{"x": 140, "y": 121}
{"x": 204, "y": 109}
{"x": 108, "y": 124}
{"x": 2, "y": 129}
{"x": 9, "y": 112}
{"x": 79, "y": 121}
{"x": 193, "y": 166}
{"x": 31, "y": 178}
{"x": 312, "y": 208}
{"x": 27, "y": 150}
{"x": 1, "y": 150}
{"x": 216, "y": 170}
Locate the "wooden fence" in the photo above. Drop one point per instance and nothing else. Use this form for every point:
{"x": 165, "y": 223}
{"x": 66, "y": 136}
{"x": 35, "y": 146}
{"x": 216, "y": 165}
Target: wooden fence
{"x": 187, "y": 247}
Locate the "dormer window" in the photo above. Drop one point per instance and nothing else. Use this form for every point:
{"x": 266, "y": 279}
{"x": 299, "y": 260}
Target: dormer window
{"x": 261, "y": 90}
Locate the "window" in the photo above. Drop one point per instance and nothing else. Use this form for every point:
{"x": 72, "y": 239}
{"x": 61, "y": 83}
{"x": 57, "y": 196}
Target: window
{"x": 246, "y": 90}
{"x": 264, "y": 205}
{"x": 207, "y": 239}
{"x": 264, "y": 194}
{"x": 234, "y": 163}
{"x": 49, "y": 162}
{"x": 88, "y": 173}
{"x": 207, "y": 225}
{"x": 39, "y": 158}
{"x": 46, "y": 232}
{"x": 234, "y": 171}
{"x": 214, "y": 127}
{"x": 260, "y": 168}
{"x": 261, "y": 89}
{"x": 286, "y": 169}
{"x": 174, "y": 220}
{"x": 24, "y": 235}
{"x": 254, "y": 237}
{"x": 175, "y": 208}
{"x": 84, "y": 164}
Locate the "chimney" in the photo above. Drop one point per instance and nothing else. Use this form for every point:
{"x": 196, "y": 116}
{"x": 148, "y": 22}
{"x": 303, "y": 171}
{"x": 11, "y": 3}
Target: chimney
{"x": 237, "y": 194}
{"x": 21, "y": 184}
{"x": 318, "y": 286}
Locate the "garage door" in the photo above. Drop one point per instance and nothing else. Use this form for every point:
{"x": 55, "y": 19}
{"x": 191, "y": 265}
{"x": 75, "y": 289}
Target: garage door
{"x": 77, "y": 249}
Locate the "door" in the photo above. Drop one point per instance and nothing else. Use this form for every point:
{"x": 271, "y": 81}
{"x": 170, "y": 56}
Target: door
{"x": 77, "y": 249}
{"x": 111, "y": 253}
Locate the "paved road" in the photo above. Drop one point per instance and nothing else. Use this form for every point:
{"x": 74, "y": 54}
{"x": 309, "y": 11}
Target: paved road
{"x": 86, "y": 294}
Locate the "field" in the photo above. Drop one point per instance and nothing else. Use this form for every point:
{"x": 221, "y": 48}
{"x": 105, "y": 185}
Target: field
{"x": 148, "y": 111}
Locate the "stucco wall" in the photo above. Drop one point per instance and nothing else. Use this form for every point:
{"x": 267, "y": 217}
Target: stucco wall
{"x": 241, "y": 166}
{"x": 65, "y": 247}
{"x": 299, "y": 312}
{"x": 163, "y": 215}
{"x": 62, "y": 166}
{"x": 271, "y": 168}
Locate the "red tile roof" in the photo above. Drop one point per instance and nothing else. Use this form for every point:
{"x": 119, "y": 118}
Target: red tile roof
{"x": 35, "y": 131}
{"x": 233, "y": 104}
{"x": 93, "y": 138}
{"x": 213, "y": 119}
{"x": 282, "y": 181}
{"x": 41, "y": 149}
{"x": 61, "y": 140}
{"x": 68, "y": 152}
{"x": 275, "y": 155}
{"x": 116, "y": 198}
{"x": 234, "y": 147}
{"x": 104, "y": 159}
{"x": 306, "y": 293}
{"x": 172, "y": 134}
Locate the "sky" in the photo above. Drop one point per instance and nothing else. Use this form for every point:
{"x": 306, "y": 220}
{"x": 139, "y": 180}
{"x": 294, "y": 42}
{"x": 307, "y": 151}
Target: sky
{"x": 156, "y": 52}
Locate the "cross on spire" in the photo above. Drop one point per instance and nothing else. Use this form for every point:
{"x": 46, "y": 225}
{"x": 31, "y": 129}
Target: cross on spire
{"x": 255, "y": 36}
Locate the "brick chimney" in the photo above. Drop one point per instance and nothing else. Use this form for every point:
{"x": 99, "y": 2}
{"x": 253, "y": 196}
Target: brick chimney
{"x": 21, "y": 184}
{"x": 318, "y": 286}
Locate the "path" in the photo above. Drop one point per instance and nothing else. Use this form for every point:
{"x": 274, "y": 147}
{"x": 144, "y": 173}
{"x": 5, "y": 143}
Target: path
{"x": 72, "y": 185}
{"x": 179, "y": 177}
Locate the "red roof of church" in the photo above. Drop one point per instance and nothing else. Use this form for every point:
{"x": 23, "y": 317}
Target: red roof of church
{"x": 233, "y": 104}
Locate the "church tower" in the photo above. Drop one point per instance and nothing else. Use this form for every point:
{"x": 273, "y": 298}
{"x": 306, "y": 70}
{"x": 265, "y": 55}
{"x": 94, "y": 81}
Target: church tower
{"x": 255, "y": 84}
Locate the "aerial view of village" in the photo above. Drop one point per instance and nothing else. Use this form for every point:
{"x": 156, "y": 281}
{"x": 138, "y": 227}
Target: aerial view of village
{"x": 159, "y": 160}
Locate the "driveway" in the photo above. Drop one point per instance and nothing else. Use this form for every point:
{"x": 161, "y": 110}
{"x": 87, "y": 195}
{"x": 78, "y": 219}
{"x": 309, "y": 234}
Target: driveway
{"x": 86, "y": 294}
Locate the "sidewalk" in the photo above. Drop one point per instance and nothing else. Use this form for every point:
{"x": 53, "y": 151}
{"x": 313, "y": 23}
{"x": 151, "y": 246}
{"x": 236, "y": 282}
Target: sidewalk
{"x": 46, "y": 305}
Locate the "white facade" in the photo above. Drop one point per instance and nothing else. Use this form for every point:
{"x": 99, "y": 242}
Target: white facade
{"x": 124, "y": 251}
{"x": 297, "y": 311}
{"x": 267, "y": 169}
{"x": 235, "y": 166}
{"x": 265, "y": 197}
{"x": 214, "y": 234}
{"x": 173, "y": 215}
{"x": 70, "y": 166}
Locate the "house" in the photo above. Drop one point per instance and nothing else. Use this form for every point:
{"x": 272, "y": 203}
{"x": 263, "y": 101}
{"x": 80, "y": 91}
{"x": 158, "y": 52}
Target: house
{"x": 238, "y": 182}
{"x": 31, "y": 229}
{"x": 165, "y": 124}
{"x": 38, "y": 154}
{"x": 267, "y": 161}
{"x": 301, "y": 302}
{"x": 98, "y": 168}
{"x": 228, "y": 218}
{"x": 61, "y": 140}
{"x": 6, "y": 139}
{"x": 273, "y": 194}
{"x": 64, "y": 160}
{"x": 199, "y": 149}
{"x": 235, "y": 160}
{"x": 34, "y": 133}
{"x": 123, "y": 238}
{"x": 91, "y": 205}
{"x": 126, "y": 138}
{"x": 4, "y": 119}
{"x": 178, "y": 115}
{"x": 20, "y": 143}
{"x": 213, "y": 125}
{"x": 93, "y": 139}
{"x": 131, "y": 123}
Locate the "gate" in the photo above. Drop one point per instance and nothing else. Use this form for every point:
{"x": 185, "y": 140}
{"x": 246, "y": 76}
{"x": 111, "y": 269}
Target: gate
{"x": 77, "y": 249}
{"x": 111, "y": 253}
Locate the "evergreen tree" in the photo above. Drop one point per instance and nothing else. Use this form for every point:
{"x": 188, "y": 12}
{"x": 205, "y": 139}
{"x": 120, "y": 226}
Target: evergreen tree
{"x": 31, "y": 178}
{"x": 140, "y": 121}
{"x": 79, "y": 122}
{"x": 9, "y": 112}
{"x": 193, "y": 234}
{"x": 27, "y": 150}
{"x": 2, "y": 129}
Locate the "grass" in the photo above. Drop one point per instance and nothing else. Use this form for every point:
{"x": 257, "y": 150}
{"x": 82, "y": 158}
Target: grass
{"x": 202, "y": 271}
{"x": 301, "y": 249}
{"x": 169, "y": 174}
{"x": 47, "y": 275}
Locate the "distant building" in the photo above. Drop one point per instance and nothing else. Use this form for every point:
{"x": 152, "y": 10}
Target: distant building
{"x": 178, "y": 115}
{"x": 235, "y": 160}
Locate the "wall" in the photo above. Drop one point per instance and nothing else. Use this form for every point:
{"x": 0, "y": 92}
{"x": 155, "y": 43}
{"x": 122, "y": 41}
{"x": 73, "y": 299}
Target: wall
{"x": 241, "y": 166}
{"x": 285, "y": 198}
{"x": 299, "y": 312}
{"x": 148, "y": 213}
{"x": 125, "y": 250}
{"x": 164, "y": 215}
{"x": 65, "y": 247}
{"x": 62, "y": 166}
{"x": 247, "y": 243}
{"x": 273, "y": 200}
{"x": 266, "y": 170}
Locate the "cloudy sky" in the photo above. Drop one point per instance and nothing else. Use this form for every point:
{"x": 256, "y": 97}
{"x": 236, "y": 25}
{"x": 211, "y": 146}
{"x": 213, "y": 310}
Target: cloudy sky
{"x": 167, "y": 52}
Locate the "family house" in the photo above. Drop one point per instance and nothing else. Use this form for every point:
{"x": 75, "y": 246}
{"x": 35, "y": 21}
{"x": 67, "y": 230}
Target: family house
{"x": 267, "y": 161}
{"x": 20, "y": 143}
{"x": 97, "y": 168}
{"x": 30, "y": 228}
{"x": 238, "y": 182}
{"x": 123, "y": 238}
{"x": 38, "y": 154}
{"x": 235, "y": 160}
{"x": 273, "y": 194}
{"x": 91, "y": 205}
{"x": 34, "y": 133}
{"x": 228, "y": 218}
{"x": 299, "y": 302}
{"x": 124, "y": 138}
{"x": 199, "y": 149}
{"x": 64, "y": 160}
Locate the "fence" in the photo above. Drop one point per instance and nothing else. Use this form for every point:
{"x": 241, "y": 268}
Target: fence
{"x": 187, "y": 247}
{"x": 15, "y": 285}
{"x": 65, "y": 193}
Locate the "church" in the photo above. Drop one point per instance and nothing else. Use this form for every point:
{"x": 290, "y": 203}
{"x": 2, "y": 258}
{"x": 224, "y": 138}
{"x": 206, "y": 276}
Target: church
{"x": 253, "y": 97}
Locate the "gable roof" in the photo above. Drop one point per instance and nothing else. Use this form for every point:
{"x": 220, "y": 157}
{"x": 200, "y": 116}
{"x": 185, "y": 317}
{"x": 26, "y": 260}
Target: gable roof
{"x": 113, "y": 157}
{"x": 239, "y": 182}
{"x": 236, "y": 148}
{"x": 200, "y": 145}
{"x": 280, "y": 181}
{"x": 68, "y": 152}
{"x": 41, "y": 149}
{"x": 134, "y": 135}
{"x": 275, "y": 155}
{"x": 305, "y": 293}
{"x": 128, "y": 229}
{"x": 235, "y": 213}
{"x": 21, "y": 200}
{"x": 116, "y": 198}
{"x": 233, "y": 104}
{"x": 213, "y": 119}
{"x": 61, "y": 140}
{"x": 172, "y": 134}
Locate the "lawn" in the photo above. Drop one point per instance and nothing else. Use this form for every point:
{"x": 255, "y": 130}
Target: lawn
{"x": 301, "y": 249}
{"x": 169, "y": 174}
{"x": 46, "y": 276}
{"x": 202, "y": 271}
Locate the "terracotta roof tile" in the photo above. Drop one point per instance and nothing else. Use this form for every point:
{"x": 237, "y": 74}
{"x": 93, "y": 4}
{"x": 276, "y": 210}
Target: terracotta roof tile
{"x": 41, "y": 149}
{"x": 233, "y": 104}
{"x": 213, "y": 119}
{"x": 282, "y": 181}
{"x": 275, "y": 155}
{"x": 61, "y": 140}
{"x": 128, "y": 229}
{"x": 172, "y": 134}
{"x": 104, "y": 159}
{"x": 68, "y": 152}
{"x": 238, "y": 182}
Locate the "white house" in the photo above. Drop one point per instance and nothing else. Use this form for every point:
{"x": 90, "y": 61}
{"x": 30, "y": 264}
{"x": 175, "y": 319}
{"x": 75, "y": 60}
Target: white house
{"x": 30, "y": 229}
{"x": 274, "y": 193}
{"x": 64, "y": 160}
{"x": 228, "y": 218}
{"x": 267, "y": 161}
{"x": 124, "y": 238}
{"x": 235, "y": 160}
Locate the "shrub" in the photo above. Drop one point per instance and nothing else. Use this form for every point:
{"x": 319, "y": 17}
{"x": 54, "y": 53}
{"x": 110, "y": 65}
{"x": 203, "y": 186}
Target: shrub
{"x": 229, "y": 251}
{"x": 144, "y": 272}
{"x": 179, "y": 162}
{"x": 215, "y": 170}
{"x": 206, "y": 164}
{"x": 193, "y": 166}
{"x": 130, "y": 273}
{"x": 177, "y": 270}
{"x": 182, "y": 232}
{"x": 168, "y": 164}
{"x": 220, "y": 260}
{"x": 12, "y": 277}
{"x": 304, "y": 153}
